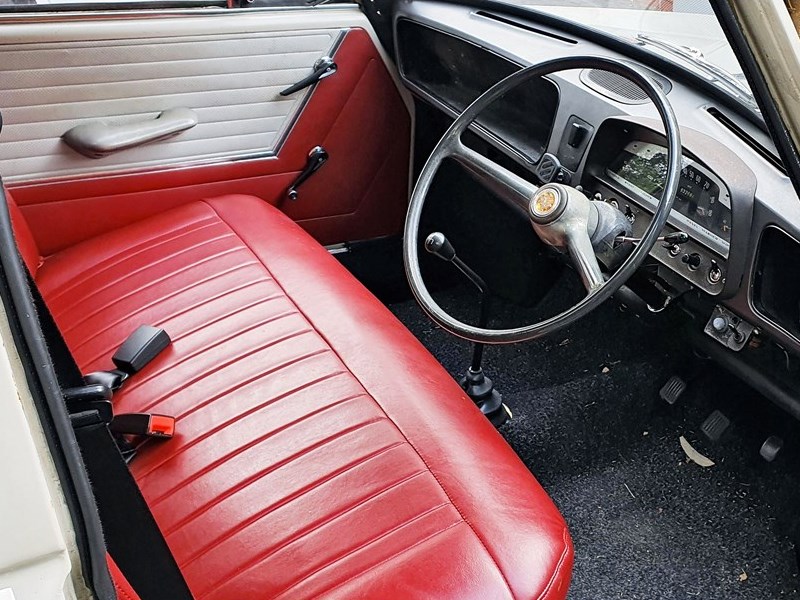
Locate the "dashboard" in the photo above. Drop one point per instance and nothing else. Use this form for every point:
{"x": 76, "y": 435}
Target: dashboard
{"x": 598, "y": 130}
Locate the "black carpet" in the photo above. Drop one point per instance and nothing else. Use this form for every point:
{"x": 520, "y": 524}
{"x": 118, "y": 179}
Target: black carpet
{"x": 589, "y": 423}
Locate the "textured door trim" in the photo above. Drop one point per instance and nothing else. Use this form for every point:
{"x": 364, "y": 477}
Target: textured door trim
{"x": 30, "y": 148}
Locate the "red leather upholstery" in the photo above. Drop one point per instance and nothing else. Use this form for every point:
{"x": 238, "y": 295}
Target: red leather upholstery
{"x": 121, "y": 584}
{"x": 307, "y": 462}
{"x": 25, "y": 242}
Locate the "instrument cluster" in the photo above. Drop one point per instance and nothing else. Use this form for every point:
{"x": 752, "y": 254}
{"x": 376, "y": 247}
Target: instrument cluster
{"x": 702, "y": 204}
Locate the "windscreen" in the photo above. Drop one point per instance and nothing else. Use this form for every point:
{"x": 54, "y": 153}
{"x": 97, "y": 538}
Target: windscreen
{"x": 684, "y": 31}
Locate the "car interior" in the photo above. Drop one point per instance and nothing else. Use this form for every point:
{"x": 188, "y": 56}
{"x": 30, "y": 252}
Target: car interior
{"x": 406, "y": 299}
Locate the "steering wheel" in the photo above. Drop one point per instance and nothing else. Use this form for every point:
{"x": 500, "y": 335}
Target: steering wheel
{"x": 561, "y": 215}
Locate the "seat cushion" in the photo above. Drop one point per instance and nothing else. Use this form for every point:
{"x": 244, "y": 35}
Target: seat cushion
{"x": 320, "y": 449}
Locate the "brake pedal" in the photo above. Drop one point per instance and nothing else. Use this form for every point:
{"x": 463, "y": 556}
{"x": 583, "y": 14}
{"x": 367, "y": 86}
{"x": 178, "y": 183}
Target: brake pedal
{"x": 673, "y": 389}
{"x": 715, "y": 425}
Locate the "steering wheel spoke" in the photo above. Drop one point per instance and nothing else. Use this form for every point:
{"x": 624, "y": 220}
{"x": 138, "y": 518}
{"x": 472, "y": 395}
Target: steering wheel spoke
{"x": 508, "y": 185}
{"x": 584, "y": 259}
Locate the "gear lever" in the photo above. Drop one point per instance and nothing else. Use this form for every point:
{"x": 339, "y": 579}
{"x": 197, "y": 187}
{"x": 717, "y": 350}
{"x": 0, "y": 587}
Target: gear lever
{"x": 477, "y": 386}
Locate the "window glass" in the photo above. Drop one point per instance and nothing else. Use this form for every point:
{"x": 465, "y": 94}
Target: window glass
{"x": 683, "y": 31}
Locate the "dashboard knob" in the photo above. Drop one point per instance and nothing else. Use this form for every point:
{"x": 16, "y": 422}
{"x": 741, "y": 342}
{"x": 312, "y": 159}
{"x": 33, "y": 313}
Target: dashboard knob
{"x": 692, "y": 260}
{"x": 720, "y": 324}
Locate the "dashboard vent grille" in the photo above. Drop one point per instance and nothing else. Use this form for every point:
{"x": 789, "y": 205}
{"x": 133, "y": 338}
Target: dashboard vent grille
{"x": 548, "y": 167}
{"x": 513, "y": 22}
{"x": 620, "y": 88}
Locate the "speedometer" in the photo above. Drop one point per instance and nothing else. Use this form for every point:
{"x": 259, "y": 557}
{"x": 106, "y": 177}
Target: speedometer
{"x": 698, "y": 198}
{"x": 702, "y": 201}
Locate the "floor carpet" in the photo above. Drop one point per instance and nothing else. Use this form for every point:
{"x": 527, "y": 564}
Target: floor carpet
{"x": 588, "y": 422}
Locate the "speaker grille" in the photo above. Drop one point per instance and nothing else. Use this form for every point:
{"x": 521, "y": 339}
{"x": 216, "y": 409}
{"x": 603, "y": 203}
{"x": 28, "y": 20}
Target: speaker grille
{"x": 620, "y": 88}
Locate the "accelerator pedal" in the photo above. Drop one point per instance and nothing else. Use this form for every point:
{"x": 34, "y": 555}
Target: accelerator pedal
{"x": 771, "y": 447}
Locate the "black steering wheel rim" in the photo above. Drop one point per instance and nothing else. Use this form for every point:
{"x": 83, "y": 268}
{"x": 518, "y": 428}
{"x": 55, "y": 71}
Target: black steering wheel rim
{"x": 594, "y": 298}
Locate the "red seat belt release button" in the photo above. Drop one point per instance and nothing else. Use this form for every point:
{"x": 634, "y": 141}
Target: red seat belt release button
{"x": 161, "y": 426}
{"x": 150, "y": 425}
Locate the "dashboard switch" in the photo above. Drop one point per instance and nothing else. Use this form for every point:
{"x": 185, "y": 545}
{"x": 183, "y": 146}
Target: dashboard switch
{"x": 692, "y": 260}
{"x": 577, "y": 135}
{"x": 714, "y": 273}
{"x": 672, "y": 242}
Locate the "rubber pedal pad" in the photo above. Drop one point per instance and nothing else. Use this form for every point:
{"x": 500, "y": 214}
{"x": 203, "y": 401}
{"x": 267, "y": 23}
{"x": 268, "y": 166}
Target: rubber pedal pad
{"x": 715, "y": 425}
{"x": 672, "y": 390}
{"x": 771, "y": 447}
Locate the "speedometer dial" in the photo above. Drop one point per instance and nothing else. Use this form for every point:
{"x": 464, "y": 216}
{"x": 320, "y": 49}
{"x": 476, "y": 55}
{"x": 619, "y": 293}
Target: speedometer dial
{"x": 698, "y": 199}
{"x": 702, "y": 199}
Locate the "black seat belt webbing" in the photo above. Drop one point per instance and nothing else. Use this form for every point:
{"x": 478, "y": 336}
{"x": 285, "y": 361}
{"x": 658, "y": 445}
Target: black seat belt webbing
{"x": 132, "y": 536}
{"x": 67, "y": 371}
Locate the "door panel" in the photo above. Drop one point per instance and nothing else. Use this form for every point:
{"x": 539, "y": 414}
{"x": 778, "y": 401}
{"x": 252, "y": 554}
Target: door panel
{"x": 248, "y": 139}
{"x": 231, "y": 80}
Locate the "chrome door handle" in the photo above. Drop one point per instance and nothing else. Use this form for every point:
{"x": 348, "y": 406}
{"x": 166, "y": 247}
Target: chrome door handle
{"x": 317, "y": 157}
{"x": 98, "y": 138}
{"x": 324, "y": 67}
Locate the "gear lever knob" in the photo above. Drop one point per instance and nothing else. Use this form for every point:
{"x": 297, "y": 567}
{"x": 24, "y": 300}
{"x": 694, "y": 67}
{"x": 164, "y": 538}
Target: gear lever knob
{"x": 437, "y": 244}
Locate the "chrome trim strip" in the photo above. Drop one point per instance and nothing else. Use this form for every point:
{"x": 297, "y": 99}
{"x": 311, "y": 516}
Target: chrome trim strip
{"x": 14, "y": 182}
{"x": 678, "y": 221}
{"x": 144, "y": 13}
{"x": 341, "y": 248}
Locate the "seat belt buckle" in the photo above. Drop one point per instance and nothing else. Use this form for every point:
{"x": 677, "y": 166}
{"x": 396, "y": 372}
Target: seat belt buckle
{"x": 141, "y": 347}
{"x": 136, "y": 352}
{"x": 145, "y": 424}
